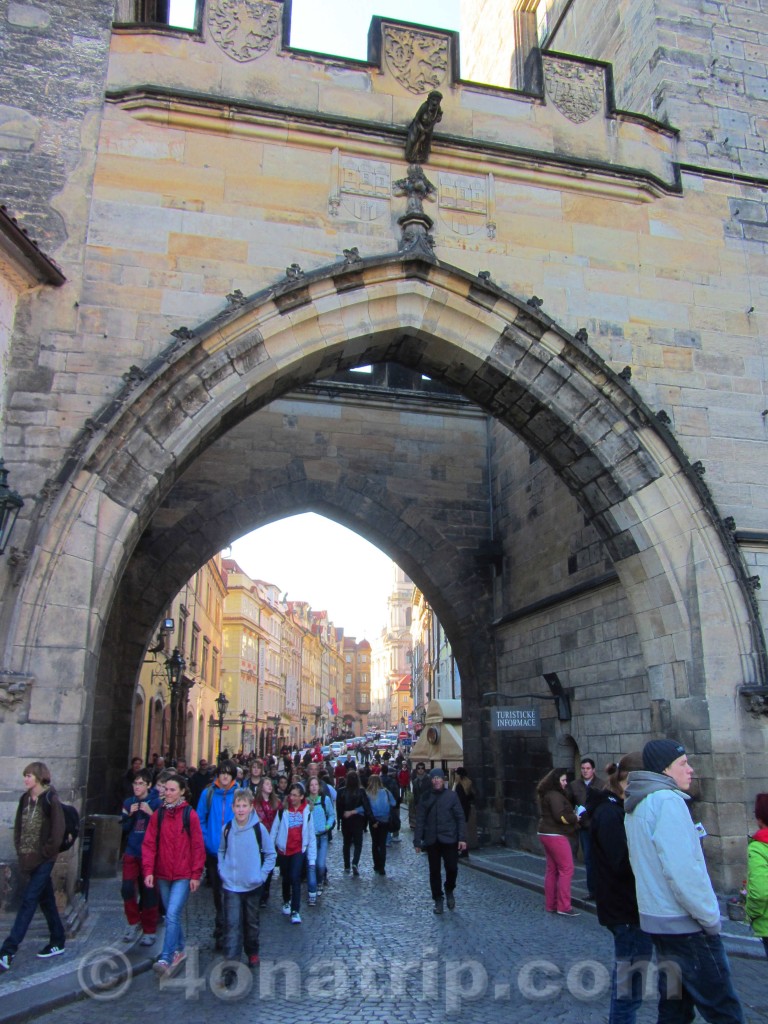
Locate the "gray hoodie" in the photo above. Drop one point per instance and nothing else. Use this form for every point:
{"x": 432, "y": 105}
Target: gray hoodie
{"x": 241, "y": 867}
{"x": 674, "y": 893}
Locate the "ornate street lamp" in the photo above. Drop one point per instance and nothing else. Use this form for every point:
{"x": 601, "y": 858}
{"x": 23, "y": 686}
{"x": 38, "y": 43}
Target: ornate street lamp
{"x": 10, "y": 505}
{"x": 174, "y": 666}
{"x": 275, "y": 720}
{"x": 222, "y": 704}
{"x": 304, "y": 721}
{"x": 243, "y": 720}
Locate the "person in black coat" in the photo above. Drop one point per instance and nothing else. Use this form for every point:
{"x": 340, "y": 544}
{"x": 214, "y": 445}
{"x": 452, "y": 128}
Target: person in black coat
{"x": 441, "y": 832}
{"x": 615, "y": 897}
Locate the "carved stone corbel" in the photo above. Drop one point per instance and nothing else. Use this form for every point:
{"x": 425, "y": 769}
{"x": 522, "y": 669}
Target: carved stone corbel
{"x": 14, "y": 695}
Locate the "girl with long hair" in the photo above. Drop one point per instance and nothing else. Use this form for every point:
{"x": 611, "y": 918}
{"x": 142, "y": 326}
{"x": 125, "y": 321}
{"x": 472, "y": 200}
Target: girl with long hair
{"x": 351, "y": 813}
{"x": 557, "y": 822}
{"x": 266, "y": 803}
{"x": 380, "y": 802}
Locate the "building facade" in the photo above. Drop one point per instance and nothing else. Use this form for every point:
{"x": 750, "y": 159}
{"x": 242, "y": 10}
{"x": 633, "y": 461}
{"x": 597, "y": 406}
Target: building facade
{"x": 579, "y": 263}
{"x": 193, "y": 627}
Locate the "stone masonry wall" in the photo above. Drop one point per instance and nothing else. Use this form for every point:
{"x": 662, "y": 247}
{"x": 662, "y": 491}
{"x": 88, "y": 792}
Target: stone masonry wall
{"x": 54, "y": 60}
{"x": 698, "y": 65}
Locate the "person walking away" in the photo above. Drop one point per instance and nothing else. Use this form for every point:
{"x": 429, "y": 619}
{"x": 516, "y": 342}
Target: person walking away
{"x": 579, "y": 790}
{"x": 404, "y": 782}
{"x": 389, "y": 781}
{"x": 465, "y": 791}
{"x": 757, "y": 872}
{"x": 380, "y": 805}
{"x": 419, "y": 786}
{"x": 139, "y": 903}
{"x": 615, "y": 898}
{"x": 246, "y": 859}
{"x": 677, "y": 904}
{"x": 214, "y": 810}
{"x": 37, "y": 834}
{"x": 294, "y": 837}
{"x": 266, "y": 804}
{"x": 351, "y": 810}
{"x": 440, "y": 830}
{"x": 323, "y": 820}
{"x": 557, "y": 821}
{"x": 173, "y": 858}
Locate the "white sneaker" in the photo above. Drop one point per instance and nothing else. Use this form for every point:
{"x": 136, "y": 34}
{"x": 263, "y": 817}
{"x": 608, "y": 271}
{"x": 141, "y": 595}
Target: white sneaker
{"x": 312, "y": 899}
{"x": 295, "y": 917}
{"x": 132, "y": 932}
{"x": 286, "y": 909}
{"x": 147, "y": 940}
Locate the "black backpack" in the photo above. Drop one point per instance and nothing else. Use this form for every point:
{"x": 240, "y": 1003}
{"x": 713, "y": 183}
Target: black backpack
{"x": 256, "y": 831}
{"x": 71, "y": 825}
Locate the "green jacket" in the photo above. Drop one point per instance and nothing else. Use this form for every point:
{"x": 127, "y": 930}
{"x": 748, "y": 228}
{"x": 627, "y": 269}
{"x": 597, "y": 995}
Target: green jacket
{"x": 757, "y": 882}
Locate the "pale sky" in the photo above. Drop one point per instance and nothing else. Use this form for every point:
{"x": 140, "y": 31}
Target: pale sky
{"x": 302, "y": 555}
{"x": 340, "y": 27}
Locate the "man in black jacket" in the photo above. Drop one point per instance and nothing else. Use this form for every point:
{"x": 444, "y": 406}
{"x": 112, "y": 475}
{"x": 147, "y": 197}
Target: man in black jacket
{"x": 440, "y": 830}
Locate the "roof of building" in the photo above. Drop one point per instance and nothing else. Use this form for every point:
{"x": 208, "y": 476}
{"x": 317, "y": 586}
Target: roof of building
{"x": 25, "y": 250}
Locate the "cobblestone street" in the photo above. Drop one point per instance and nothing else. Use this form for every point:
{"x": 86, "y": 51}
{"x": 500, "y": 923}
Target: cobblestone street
{"x": 372, "y": 950}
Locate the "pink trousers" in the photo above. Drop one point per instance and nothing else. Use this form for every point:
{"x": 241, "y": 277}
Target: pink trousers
{"x": 557, "y": 880}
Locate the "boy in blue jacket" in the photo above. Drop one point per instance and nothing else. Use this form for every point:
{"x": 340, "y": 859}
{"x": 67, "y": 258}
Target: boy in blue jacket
{"x": 246, "y": 857}
{"x": 214, "y": 809}
{"x": 140, "y": 903}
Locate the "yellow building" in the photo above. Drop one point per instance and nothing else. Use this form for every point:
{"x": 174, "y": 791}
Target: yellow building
{"x": 183, "y": 724}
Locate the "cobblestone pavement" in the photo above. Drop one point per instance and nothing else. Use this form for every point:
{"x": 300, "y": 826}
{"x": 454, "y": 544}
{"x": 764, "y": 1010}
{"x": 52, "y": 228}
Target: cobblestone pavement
{"x": 373, "y": 951}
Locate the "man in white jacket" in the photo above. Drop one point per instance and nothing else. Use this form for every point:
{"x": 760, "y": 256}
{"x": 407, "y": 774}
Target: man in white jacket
{"x": 677, "y": 904}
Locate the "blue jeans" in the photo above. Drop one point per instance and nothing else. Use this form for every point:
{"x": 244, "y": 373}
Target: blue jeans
{"x": 290, "y": 877}
{"x": 241, "y": 922}
{"x": 316, "y": 872}
{"x": 174, "y": 896}
{"x": 705, "y": 979}
{"x": 39, "y": 889}
{"x": 631, "y": 947}
{"x": 585, "y": 839}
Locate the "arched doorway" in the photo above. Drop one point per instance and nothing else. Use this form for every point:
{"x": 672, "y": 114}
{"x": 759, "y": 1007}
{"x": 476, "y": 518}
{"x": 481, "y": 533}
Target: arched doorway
{"x": 654, "y": 519}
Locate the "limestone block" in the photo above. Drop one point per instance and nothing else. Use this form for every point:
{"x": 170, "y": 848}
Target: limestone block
{"x": 122, "y": 225}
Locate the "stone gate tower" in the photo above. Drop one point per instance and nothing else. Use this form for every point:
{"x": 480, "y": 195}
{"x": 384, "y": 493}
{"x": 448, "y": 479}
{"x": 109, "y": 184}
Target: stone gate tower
{"x": 219, "y": 226}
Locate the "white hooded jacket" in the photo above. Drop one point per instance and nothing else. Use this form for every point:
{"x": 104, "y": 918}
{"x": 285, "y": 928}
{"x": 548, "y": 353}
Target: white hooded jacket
{"x": 674, "y": 893}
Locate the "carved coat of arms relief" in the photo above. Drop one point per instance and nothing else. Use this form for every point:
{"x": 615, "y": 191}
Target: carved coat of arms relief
{"x": 417, "y": 60}
{"x": 575, "y": 89}
{"x": 244, "y": 29}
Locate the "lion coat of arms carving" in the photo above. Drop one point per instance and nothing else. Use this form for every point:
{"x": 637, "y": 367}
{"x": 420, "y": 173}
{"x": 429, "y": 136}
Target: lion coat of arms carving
{"x": 418, "y": 61}
{"x": 244, "y": 29}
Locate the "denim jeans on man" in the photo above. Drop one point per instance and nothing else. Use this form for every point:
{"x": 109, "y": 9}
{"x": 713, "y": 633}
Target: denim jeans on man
{"x": 174, "y": 896}
{"x": 39, "y": 889}
{"x": 633, "y": 961}
{"x": 241, "y": 922}
{"x": 705, "y": 977}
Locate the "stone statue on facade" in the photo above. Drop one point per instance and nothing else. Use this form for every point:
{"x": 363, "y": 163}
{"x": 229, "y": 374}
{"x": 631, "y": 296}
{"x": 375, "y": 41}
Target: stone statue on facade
{"x": 419, "y": 140}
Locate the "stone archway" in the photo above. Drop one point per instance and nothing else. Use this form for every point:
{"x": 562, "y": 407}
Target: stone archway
{"x": 629, "y": 477}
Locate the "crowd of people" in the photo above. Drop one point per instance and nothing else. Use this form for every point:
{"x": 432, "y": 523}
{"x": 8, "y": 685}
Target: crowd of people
{"x": 233, "y": 824}
{"x": 647, "y": 876}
